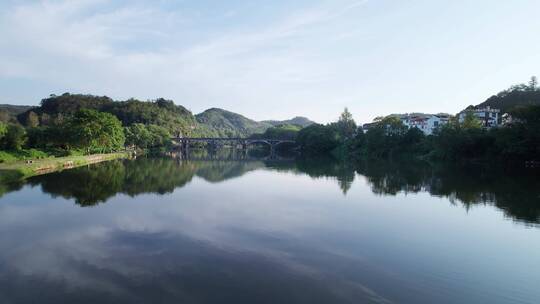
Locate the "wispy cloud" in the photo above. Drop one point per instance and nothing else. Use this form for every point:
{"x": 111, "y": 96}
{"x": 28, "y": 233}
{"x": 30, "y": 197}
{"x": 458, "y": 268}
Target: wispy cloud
{"x": 311, "y": 59}
{"x": 90, "y": 46}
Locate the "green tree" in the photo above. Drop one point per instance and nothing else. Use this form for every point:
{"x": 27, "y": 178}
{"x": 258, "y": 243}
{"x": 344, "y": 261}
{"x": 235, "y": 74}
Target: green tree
{"x": 470, "y": 121}
{"x": 147, "y": 136}
{"x": 533, "y": 83}
{"x": 160, "y": 136}
{"x": 95, "y": 131}
{"x": 384, "y": 139}
{"x": 318, "y": 139}
{"x": 3, "y": 130}
{"x": 138, "y": 135}
{"x": 346, "y": 125}
{"x": 14, "y": 138}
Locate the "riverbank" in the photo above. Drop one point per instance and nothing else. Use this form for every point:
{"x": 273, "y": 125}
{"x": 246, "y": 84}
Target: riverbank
{"x": 18, "y": 170}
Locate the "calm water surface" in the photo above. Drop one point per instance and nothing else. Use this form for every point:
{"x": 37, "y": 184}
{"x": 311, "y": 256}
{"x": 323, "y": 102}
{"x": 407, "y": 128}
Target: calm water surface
{"x": 163, "y": 230}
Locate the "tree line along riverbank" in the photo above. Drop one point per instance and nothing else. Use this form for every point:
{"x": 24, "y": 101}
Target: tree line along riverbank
{"x": 81, "y": 125}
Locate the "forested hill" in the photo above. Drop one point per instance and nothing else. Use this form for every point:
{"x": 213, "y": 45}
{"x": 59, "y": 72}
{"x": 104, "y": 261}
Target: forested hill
{"x": 8, "y": 113}
{"x": 176, "y": 119}
{"x": 222, "y": 123}
{"x": 298, "y": 120}
{"x": 164, "y": 113}
{"x": 518, "y": 95}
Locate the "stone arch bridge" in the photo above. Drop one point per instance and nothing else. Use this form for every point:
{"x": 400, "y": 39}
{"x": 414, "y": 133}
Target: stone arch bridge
{"x": 185, "y": 142}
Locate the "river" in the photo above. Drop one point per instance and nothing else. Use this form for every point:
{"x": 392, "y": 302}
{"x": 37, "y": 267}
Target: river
{"x": 166, "y": 230}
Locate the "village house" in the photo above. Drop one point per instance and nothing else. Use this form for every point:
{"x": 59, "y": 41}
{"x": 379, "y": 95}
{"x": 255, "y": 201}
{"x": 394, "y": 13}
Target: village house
{"x": 487, "y": 116}
{"x": 426, "y": 123}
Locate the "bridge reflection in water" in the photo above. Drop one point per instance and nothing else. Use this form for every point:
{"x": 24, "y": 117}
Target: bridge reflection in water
{"x": 239, "y": 146}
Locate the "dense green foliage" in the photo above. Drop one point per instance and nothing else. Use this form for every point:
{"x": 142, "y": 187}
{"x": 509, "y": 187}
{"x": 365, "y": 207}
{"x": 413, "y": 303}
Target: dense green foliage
{"x": 70, "y": 122}
{"x": 222, "y": 123}
{"x": 289, "y": 132}
{"x": 318, "y": 139}
{"x": 390, "y": 137}
{"x": 164, "y": 113}
{"x": 517, "y": 142}
{"x": 95, "y": 131}
{"x": 14, "y": 137}
{"x": 3, "y": 130}
{"x": 147, "y": 136}
{"x": 321, "y": 139}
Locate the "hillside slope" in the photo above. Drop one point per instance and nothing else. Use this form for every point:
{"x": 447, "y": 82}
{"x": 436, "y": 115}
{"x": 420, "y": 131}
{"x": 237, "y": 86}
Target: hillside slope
{"x": 518, "y": 95}
{"x": 222, "y": 123}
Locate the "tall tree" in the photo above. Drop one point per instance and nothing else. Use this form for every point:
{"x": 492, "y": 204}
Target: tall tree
{"x": 346, "y": 125}
{"x": 470, "y": 121}
{"x": 533, "y": 83}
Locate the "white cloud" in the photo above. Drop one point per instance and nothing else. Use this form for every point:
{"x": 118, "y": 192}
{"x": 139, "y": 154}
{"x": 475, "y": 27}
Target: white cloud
{"x": 78, "y": 45}
{"x": 307, "y": 61}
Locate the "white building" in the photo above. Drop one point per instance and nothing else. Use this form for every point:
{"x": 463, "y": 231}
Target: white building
{"x": 426, "y": 123}
{"x": 487, "y": 116}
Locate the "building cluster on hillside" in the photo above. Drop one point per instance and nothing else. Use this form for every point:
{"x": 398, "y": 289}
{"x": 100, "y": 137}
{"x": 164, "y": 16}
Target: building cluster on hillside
{"x": 428, "y": 123}
{"x": 487, "y": 116}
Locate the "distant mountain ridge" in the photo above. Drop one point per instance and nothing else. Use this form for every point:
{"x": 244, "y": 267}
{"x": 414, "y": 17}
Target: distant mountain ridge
{"x": 223, "y": 123}
{"x": 298, "y": 120}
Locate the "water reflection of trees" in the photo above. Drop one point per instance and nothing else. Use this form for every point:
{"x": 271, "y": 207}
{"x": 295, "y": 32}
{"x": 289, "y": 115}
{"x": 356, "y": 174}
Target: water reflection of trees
{"x": 97, "y": 183}
{"x": 516, "y": 193}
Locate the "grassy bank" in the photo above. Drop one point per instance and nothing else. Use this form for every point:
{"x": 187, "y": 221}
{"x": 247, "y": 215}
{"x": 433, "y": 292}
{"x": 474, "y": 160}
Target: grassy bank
{"x": 17, "y": 170}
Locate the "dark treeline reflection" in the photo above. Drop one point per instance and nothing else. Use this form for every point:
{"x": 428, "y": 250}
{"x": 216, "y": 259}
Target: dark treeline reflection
{"x": 97, "y": 183}
{"x": 516, "y": 193}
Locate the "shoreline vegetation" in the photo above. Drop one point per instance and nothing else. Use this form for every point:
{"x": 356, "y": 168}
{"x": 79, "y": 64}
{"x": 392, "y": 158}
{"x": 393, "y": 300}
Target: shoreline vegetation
{"x": 74, "y": 129}
{"x": 22, "y": 169}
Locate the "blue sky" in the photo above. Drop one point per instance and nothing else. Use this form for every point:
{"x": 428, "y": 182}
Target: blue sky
{"x": 271, "y": 59}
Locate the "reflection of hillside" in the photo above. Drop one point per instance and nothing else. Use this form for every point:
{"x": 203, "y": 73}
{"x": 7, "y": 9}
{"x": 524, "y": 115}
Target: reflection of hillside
{"x": 516, "y": 193}
{"x": 217, "y": 171}
{"x": 97, "y": 183}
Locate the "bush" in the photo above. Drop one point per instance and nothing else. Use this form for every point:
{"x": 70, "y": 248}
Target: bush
{"x": 32, "y": 154}
{"x": 7, "y": 157}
